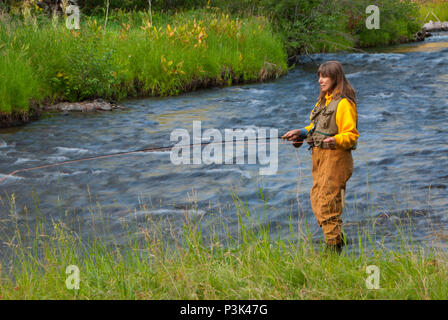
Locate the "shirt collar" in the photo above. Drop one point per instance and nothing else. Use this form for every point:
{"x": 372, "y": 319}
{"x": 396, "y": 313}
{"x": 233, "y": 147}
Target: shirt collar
{"x": 330, "y": 96}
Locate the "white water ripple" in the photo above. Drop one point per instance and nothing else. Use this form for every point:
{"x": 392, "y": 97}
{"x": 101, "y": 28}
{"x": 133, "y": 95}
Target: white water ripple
{"x": 64, "y": 150}
{"x": 23, "y": 160}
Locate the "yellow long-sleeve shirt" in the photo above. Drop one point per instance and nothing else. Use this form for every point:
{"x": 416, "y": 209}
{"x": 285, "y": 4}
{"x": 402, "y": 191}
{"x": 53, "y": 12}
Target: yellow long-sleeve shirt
{"x": 346, "y": 116}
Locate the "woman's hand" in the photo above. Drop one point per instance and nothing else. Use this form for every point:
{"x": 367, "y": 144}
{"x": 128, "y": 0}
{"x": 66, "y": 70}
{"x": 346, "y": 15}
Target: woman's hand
{"x": 331, "y": 142}
{"x": 292, "y": 135}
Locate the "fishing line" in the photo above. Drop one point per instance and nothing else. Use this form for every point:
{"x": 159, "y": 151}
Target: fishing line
{"x": 158, "y": 149}
{"x": 155, "y": 149}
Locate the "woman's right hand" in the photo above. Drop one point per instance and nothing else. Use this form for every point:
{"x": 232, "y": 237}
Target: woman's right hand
{"x": 292, "y": 135}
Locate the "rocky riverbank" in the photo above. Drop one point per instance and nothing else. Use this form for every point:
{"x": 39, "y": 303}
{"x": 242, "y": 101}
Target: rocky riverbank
{"x": 437, "y": 26}
{"x": 429, "y": 27}
{"x": 19, "y": 119}
{"x": 97, "y": 105}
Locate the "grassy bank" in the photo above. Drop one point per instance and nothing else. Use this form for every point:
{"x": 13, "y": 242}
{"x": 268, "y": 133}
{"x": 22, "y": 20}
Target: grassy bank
{"x": 44, "y": 62}
{"x": 221, "y": 43}
{"x": 251, "y": 263}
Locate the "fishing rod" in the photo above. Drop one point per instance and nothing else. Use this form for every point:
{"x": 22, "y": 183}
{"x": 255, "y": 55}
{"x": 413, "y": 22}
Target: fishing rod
{"x": 296, "y": 144}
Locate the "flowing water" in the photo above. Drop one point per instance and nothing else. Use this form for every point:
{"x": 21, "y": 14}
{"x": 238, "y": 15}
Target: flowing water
{"x": 400, "y": 164}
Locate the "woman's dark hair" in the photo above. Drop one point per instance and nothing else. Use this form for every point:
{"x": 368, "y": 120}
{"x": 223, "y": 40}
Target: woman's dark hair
{"x": 341, "y": 86}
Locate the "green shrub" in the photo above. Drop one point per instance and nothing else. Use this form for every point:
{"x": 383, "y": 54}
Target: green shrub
{"x": 398, "y": 22}
{"x": 90, "y": 73}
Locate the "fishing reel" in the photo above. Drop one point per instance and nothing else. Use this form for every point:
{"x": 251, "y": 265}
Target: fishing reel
{"x": 297, "y": 143}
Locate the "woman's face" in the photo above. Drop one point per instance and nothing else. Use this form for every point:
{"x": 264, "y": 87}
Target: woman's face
{"x": 325, "y": 83}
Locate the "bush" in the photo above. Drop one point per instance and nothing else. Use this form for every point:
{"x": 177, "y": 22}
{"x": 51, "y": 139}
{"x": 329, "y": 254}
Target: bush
{"x": 90, "y": 74}
{"x": 398, "y": 22}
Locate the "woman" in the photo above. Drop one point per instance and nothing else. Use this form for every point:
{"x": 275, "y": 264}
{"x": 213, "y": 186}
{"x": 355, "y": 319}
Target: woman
{"x": 332, "y": 135}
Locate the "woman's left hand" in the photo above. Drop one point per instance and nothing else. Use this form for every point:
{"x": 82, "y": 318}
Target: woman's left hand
{"x": 331, "y": 142}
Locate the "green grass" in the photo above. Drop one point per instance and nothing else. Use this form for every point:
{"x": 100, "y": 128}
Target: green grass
{"x": 46, "y": 63}
{"x": 250, "y": 263}
{"x": 18, "y": 84}
{"x": 438, "y": 8}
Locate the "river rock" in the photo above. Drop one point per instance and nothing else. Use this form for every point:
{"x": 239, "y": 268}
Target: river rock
{"x": 437, "y": 26}
{"x": 422, "y": 35}
{"x": 85, "y": 106}
{"x": 429, "y": 27}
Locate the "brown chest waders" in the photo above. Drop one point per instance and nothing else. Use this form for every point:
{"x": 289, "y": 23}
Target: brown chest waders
{"x": 332, "y": 168}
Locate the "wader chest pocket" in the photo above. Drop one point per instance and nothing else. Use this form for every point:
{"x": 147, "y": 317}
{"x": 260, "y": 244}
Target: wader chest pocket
{"x": 327, "y": 115}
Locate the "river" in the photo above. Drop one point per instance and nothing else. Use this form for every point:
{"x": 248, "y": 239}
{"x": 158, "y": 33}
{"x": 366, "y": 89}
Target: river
{"x": 400, "y": 164}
